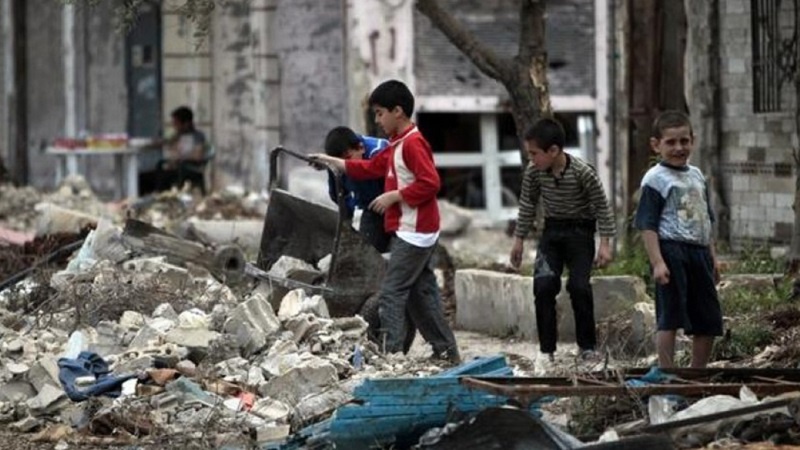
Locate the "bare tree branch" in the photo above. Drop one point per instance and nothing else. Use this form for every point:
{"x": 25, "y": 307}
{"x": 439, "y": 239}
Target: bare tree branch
{"x": 531, "y": 30}
{"x": 482, "y": 56}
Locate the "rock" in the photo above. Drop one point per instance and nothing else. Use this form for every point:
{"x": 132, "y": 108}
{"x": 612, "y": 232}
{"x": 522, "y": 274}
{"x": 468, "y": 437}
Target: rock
{"x": 109, "y": 339}
{"x": 17, "y": 369}
{"x": 14, "y": 346}
{"x": 131, "y": 320}
{"x": 161, "y": 325}
{"x": 309, "y": 378}
{"x": 17, "y": 391}
{"x": 271, "y": 410}
{"x": 454, "y": 219}
{"x": 316, "y": 406}
{"x": 219, "y": 315}
{"x": 353, "y": 328}
{"x": 7, "y": 413}
{"x": 234, "y": 367}
{"x": 165, "y": 311}
{"x": 303, "y": 326}
{"x": 56, "y": 220}
{"x": 285, "y": 265}
{"x": 252, "y": 322}
{"x": 278, "y": 365}
{"x": 26, "y": 425}
{"x": 191, "y": 338}
{"x": 194, "y": 319}
{"x": 44, "y": 373}
{"x": 49, "y": 400}
{"x": 186, "y": 368}
{"x": 146, "y": 337}
{"x": 296, "y": 302}
{"x": 271, "y": 433}
{"x": 749, "y": 283}
{"x": 134, "y": 365}
{"x": 245, "y": 234}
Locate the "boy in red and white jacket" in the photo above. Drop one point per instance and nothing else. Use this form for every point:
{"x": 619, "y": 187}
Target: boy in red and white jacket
{"x": 411, "y": 213}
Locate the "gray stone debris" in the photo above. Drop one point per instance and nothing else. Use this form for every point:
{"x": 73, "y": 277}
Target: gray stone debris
{"x": 271, "y": 433}
{"x": 297, "y": 302}
{"x": 286, "y": 264}
{"x": 309, "y": 378}
{"x": 271, "y": 410}
{"x": 252, "y": 322}
{"x": 191, "y": 337}
{"x": 49, "y": 401}
{"x": 165, "y": 311}
{"x": 131, "y": 320}
{"x": 44, "y": 372}
{"x": 17, "y": 391}
{"x": 26, "y": 425}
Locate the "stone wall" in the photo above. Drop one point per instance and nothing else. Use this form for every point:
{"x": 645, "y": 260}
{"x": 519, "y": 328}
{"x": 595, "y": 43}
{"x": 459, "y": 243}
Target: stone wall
{"x": 757, "y": 148}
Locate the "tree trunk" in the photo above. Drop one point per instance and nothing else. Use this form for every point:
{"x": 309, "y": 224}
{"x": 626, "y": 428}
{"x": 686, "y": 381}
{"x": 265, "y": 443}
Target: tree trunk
{"x": 524, "y": 76}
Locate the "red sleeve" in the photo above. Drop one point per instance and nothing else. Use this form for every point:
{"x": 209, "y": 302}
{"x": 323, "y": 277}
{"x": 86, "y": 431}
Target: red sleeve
{"x": 368, "y": 169}
{"x": 418, "y": 157}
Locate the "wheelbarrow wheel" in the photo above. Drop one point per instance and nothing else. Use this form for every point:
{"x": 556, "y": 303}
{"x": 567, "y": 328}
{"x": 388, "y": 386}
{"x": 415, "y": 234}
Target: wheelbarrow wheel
{"x": 370, "y": 313}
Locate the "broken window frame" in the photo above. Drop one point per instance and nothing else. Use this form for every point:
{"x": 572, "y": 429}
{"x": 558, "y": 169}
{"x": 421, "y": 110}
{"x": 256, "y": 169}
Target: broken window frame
{"x": 774, "y": 55}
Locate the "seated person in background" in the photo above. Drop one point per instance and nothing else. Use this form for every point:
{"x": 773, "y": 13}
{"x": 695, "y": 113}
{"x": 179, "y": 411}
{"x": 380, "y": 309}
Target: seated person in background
{"x": 185, "y": 154}
{"x": 342, "y": 142}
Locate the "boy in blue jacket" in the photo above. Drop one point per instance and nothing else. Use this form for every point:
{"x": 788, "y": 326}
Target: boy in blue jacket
{"x": 342, "y": 142}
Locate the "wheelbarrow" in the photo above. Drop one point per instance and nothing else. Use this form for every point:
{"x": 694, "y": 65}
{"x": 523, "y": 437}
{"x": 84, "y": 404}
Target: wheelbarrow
{"x": 309, "y": 231}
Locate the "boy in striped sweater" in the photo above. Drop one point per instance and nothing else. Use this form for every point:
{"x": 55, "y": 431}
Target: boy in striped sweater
{"x": 575, "y": 206}
{"x": 411, "y": 213}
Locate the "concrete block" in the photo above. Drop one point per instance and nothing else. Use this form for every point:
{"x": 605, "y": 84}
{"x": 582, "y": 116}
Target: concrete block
{"x": 165, "y": 311}
{"x": 49, "y": 401}
{"x": 17, "y": 391}
{"x": 43, "y": 373}
{"x": 271, "y": 433}
{"x": 253, "y": 322}
{"x": 296, "y": 302}
{"x": 131, "y": 320}
{"x": 191, "y": 337}
{"x": 309, "y": 378}
{"x": 502, "y": 304}
{"x": 270, "y": 409}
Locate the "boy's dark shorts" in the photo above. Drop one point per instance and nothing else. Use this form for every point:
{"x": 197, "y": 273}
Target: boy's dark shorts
{"x": 689, "y": 301}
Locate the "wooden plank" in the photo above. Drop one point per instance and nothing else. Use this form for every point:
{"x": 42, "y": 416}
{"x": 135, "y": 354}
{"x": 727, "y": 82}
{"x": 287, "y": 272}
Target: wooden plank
{"x": 478, "y": 366}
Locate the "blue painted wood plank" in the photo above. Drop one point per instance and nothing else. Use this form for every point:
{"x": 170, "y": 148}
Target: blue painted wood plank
{"x": 411, "y": 410}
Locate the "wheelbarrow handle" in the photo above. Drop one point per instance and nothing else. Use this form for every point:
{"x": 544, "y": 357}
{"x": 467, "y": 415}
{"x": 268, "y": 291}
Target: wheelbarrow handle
{"x": 273, "y": 174}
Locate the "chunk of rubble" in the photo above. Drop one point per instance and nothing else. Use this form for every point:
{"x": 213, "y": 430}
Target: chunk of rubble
{"x": 191, "y": 337}
{"x": 309, "y": 378}
{"x": 26, "y": 425}
{"x": 43, "y": 372}
{"x": 17, "y": 391}
{"x": 252, "y": 322}
{"x": 271, "y": 410}
{"x": 48, "y": 401}
{"x": 271, "y": 433}
{"x": 165, "y": 311}
{"x": 13, "y": 346}
{"x": 286, "y": 264}
{"x": 131, "y": 320}
{"x": 297, "y": 302}
{"x": 194, "y": 318}
{"x": 303, "y": 326}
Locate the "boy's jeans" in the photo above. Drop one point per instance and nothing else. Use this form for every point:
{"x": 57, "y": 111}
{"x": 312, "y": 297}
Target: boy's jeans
{"x": 411, "y": 283}
{"x": 570, "y": 243}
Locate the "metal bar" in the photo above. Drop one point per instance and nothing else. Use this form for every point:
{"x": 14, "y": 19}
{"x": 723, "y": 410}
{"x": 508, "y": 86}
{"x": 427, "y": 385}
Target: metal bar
{"x": 652, "y": 429}
{"x": 255, "y": 272}
{"x": 527, "y": 392}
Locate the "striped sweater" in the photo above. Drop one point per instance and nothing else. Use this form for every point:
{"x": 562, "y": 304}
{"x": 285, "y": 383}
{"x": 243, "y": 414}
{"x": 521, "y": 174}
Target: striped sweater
{"x": 577, "y": 195}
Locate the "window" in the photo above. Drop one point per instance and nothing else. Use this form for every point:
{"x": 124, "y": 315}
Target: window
{"x": 774, "y": 29}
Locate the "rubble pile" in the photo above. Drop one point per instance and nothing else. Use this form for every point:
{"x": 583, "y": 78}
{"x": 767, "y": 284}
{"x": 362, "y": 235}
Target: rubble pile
{"x": 138, "y": 350}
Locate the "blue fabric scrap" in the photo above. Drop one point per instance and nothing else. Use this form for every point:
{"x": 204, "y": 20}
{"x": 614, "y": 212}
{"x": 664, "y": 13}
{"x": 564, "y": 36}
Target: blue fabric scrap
{"x": 89, "y": 364}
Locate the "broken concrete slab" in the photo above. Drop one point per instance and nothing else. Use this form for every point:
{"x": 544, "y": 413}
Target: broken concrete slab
{"x": 165, "y": 311}
{"x": 191, "y": 337}
{"x": 146, "y": 337}
{"x": 285, "y": 265}
{"x": 17, "y": 391}
{"x": 309, "y": 378}
{"x": 303, "y": 326}
{"x": 14, "y": 346}
{"x": 271, "y": 410}
{"x": 17, "y": 369}
{"x": 57, "y": 220}
{"x": 252, "y": 322}
{"x": 271, "y": 433}
{"x": 194, "y": 319}
{"x": 510, "y": 298}
{"x": 49, "y": 401}
{"x": 131, "y": 320}
{"x": 26, "y": 425}
{"x": 108, "y": 339}
{"x": 44, "y": 372}
{"x": 454, "y": 219}
{"x": 297, "y": 302}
